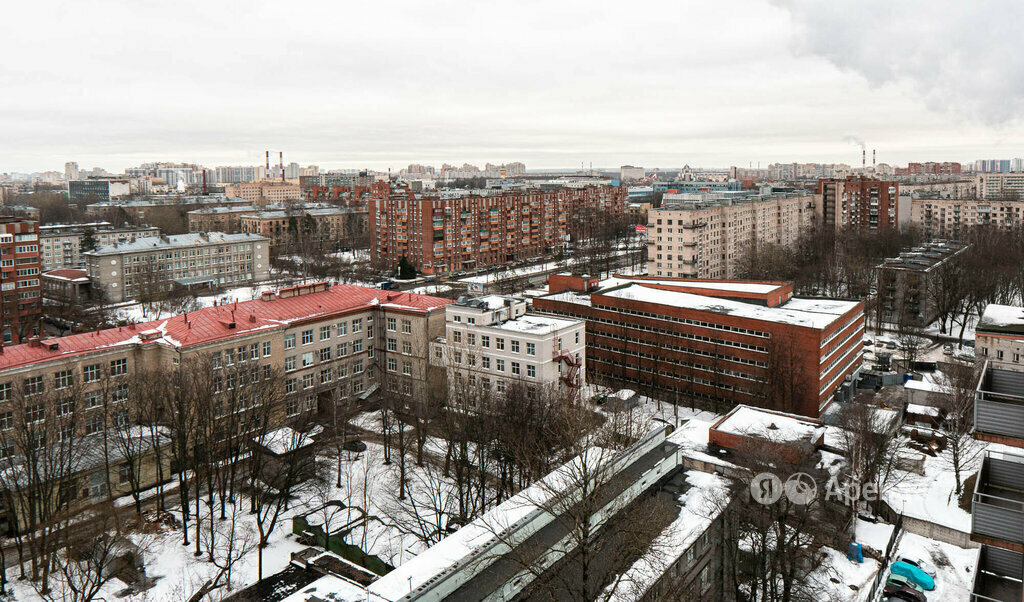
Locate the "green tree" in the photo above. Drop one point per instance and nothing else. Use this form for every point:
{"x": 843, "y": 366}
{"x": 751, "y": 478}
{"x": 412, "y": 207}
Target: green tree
{"x": 406, "y": 271}
{"x": 88, "y": 240}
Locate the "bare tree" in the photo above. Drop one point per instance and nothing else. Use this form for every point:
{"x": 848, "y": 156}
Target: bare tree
{"x": 958, "y": 388}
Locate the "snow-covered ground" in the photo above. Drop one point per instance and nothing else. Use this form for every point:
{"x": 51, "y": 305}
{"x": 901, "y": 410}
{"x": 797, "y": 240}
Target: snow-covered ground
{"x": 931, "y": 496}
{"x": 430, "y": 289}
{"x": 954, "y": 565}
{"x": 839, "y": 579}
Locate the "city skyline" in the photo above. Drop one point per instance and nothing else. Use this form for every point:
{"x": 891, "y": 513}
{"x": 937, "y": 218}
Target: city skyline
{"x": 555, "y": 88}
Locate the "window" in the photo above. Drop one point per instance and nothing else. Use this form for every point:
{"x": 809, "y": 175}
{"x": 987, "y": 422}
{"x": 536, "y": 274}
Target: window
{"x": 406, "y": 347}
{"x": 357, "y": 325}
{"x": 392, "y": 324}
{"x": 289, "y": 362}
{"x": 369, "y": 351}
{"x": 307, "y": 381}
{"x": 65, "y": 407}
{"x": 291, "y": 407}
{"x": 486, "y": 362}
{"x": 1016, "y": 357}
{"x": 357, "y": 346}
{"x": 357, "y": 367}
{"x": 310, "y": 403}
{"x": 406, "y": 367}
{"x": 325, "y": 354}
{"x": 307, "y": 359}
{"x": 119, "y": 367}
{"x": 342, "y": 328}
{"x": 266, "y": 371}
{"x": 999, "y": 354}
{"x": 471, "y": 359}
{"x": 457, "y": 336}
{"x": 120, "y": 393}
{"x": 93, "y": 425}
{"x": 325, "y": 376}
{"x": 342, "y": 349}
{"x": 471, "y": 339}
{"x": 515, "y": 346}
{"x": 515, "y": 368}
{"x": 501, "y": 385}
{"x": 62, "y": 379}
{"x": 499, "y": 365}
{"x": 120, "y": 418}
{"x": 499, "y": 344}
{"x": 577, "y": 337}
{"x": 325, "y": 333}
{"x": 289, "y": 385}
{"x": 6, "y": 421}
{"x": 357, "y": 386}
{"x": 254, "y": 351}
{"x": 35, "y": 413}
{"x": 91, "y": 373}
{"x": 485, "y": 340}
{"x": 457, "y": 357}
{"x": 124, "y": 473}
{"x": 392, "y": 364}
{"x": 307, "y": 336}
{"x": 289, "y": 341}
{"x": 531, "y": 349}
{"x": 531, "y": 371}
{"x": 33, "y": 385}
{"x": 392, "y": 344}
{"x": 266, "y": 348}
{"x": 406, "y": 326}
{"x": 5, "y": 391}
{"x": 93, "y": 399}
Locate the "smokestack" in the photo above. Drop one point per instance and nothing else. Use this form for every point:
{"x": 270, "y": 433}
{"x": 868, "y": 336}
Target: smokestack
{"x": 268, "y": 164}
{"x": 281, "y": 158}
{"x": 873, "y": 151}
{"x": 864, "y": 157}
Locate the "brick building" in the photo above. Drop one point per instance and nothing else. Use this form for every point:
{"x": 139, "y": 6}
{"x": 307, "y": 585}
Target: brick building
{"x": 262, "y": 192}
{"x": 219, "y": 219}
{"x": 952, "y": 217}
{"x": 20, "y": 291}
{"x": 930, "y": 167}
{"x": 323, "y": 227}
{"x": 999, "y": 337}
{"x": 718, "y": 342}
{"x": 857, "y": 202}
{"x": 440, "y": 235}
{"x": 60, "y": 245}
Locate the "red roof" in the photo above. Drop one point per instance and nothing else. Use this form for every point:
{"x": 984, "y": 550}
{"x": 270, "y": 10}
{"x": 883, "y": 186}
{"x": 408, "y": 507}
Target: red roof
{"x": 213, "y": 323}
{"x": 67, "y": 274}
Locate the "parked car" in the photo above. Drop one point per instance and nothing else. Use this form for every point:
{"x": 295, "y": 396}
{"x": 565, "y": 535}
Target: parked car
{"x": 913, "y": 573}
{"x": 901, "y": 581}
{"x": 354, "y": 445}
{"x": 890, "y": 345}
{"x": 921, "y": 564}
{"x": 947, "y": 349}
{"x": 903, "y": 594}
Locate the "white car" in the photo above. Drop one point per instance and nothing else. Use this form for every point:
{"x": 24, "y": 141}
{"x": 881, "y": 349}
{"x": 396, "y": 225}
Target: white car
{"x": 921, "y": 564}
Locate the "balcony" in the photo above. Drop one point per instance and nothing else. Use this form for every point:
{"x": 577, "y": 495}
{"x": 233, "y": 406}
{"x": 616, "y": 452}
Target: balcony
{"x": 998, "y": 576}
{"x": 999, "y": 406}
{"x": 997, "y": 509}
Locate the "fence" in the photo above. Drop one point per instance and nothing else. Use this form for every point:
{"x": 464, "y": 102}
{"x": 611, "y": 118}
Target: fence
{"x": 890, "y": 548}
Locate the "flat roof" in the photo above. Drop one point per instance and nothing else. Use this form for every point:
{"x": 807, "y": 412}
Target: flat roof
{"x": 809, "y": 314}
{"x": 535, "y": 324}
{"x": 150, "y": 243}
{"x": 1004, "y": 319}
{"x": 772, "y": 426}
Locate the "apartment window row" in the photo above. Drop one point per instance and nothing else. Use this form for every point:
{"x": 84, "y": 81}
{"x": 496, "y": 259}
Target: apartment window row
{"x": 499, "y": 343}
{"x": 682, "y": 363}
{"x": 689, "y": 350}
{"x": 673, "y": 376}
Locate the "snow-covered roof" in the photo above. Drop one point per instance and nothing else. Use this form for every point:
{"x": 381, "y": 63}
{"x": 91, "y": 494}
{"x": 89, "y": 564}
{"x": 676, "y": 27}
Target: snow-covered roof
{"x": 761, "y": 288}
{"x": 913, "y": 408}
{"x": 329, "y": 588}
{"x": 536, "y": 324}
{"x": 283, "y": 440}
{"x": 1007, "y": 319}
{"x": 777, "y": 427}
{"x": 817, "y": 315}
{"x": 930, "y": 387}
{"x": 176, "y": 241}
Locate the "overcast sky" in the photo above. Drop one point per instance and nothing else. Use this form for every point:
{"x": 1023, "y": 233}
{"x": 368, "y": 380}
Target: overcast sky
{"x": 385, "y": 83}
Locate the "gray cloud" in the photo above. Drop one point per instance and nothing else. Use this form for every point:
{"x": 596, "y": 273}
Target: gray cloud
{"x": 959, "y": 57}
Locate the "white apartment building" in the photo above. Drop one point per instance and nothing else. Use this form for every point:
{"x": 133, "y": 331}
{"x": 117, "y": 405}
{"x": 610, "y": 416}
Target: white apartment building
{"x": 949, "y": 217}
{"x": 60, "y": 244}
{"x": 999, "y": 186}
{"x": 706, "y": 238}
{"x": 214, "y": 259}
{"x": 491, "y": 343}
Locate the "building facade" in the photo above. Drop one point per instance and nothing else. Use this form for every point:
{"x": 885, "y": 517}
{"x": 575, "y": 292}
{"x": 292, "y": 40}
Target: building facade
{"x": 716, "y": 342}
{"x": 61, "y": 244}
{"x": 262, "y": 192}
{"x": 218, "y": 219}
{"x": 952, "y": 217}
{"x": 706, "y": 239}
{"x": 1000, "y": 186}
{"x": 492, "y": 343}
{"x": 323, "y": 227}
{"x": 999, "y": 337}
{"x": 103, "y": 189}
{"x": 153, "y": 266}
{"x": 909, "y": 285}
{"x": 320, "y": 340}
{"x": 857, "y": 202}
{"x": 440, "y": 235}
{"x": 21, "y": 300}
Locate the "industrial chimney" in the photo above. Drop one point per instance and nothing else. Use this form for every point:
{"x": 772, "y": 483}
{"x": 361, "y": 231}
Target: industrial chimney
{"x": 863, "y": 157}
{"x": 873, "y": 151}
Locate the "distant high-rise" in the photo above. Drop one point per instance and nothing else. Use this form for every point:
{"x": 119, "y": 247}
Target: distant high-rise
{"x": 857, "y": 202}
{"x": 71, "y": 171}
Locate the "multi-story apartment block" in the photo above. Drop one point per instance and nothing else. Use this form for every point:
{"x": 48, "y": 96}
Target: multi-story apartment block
{"x": 492, "y": 343}
{"x": 999, "y": 337}
{"x": 857, "y": 202}
{"x": 154, "y": 266}
{"x": 951, "y": 217}
{"x": 262, "y": 192}
{"x": 930, "y": 167}
{"x": 997, "y": 505}
{"x": 21, "y": 301}
{"x": 440, "y": 235}
{"x": 320, "y": 339}
{"x": 138, "y": 210}
{"x": 218, "y": 219}
{"x": 1000, "y": 186}
{"x": 909, "y": 285}
{"x": 715, "y": 341}
{"x": 61, "y": 244}
{"x": 102, "y": 189}
{"x": 707, "y": 238}
{"x": 322, "y": 226}
{"x": 232, "y": 174}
